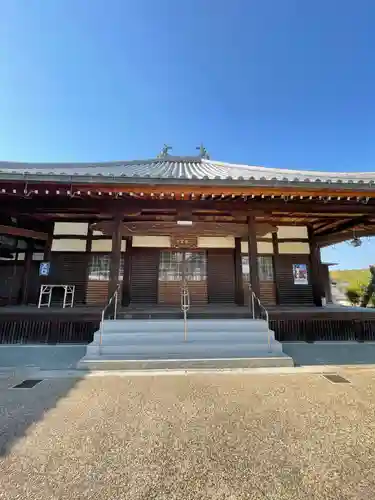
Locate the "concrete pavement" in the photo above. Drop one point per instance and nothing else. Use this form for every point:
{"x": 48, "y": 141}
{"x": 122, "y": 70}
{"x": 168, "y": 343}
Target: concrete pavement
{"x": 62, "y": 357}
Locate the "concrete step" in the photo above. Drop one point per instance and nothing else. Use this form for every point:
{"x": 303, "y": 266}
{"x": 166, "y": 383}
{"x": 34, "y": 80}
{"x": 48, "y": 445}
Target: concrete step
{"x": 184, "y": 349}
{"x": 109, "y": 337}
{"x": 155, "y": 314}
{"x": 213, "y": 343}
{"x": 148, "y": 326}
{"x": 257, "y": 360}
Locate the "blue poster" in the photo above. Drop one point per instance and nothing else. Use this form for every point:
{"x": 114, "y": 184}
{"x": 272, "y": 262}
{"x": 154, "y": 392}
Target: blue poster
{"x": 44, "y": 268}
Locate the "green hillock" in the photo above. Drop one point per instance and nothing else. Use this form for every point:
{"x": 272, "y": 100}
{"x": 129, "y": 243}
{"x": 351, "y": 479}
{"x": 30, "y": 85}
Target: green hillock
{"x": 352, "y": 278}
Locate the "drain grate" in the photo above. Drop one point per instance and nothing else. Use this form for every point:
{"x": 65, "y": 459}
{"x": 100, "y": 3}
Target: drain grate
{"x": 27, "y": 384}
{"x": 336, "y": 379}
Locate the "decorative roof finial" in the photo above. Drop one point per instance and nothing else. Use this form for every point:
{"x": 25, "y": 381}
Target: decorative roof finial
{"x": 164, "y": 152}
{"x": 203, "y": 153}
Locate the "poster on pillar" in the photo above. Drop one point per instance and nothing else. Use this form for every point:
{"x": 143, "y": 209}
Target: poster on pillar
{"x": 300, "y": 275}
{"x": 44, "y": 268}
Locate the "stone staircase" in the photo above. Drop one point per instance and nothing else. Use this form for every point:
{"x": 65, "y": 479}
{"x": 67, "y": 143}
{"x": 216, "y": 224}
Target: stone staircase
{"x": 211, "y": 343}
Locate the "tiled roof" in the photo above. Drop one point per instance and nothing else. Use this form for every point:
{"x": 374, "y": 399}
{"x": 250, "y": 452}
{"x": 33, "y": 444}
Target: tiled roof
{"x": 176, "y": 168}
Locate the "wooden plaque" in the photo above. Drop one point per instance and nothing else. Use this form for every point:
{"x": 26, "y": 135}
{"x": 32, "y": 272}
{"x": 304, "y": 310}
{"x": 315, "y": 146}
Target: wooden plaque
{"x": 184, "y": 241}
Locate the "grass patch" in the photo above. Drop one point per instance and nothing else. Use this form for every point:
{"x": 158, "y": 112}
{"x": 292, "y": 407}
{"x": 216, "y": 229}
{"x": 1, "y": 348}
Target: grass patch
{"x": 354, "y": 278}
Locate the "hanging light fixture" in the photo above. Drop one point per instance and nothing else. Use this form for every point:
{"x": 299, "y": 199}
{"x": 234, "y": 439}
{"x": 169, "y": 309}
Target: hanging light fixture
{"x": 355, "y": 242}
{"x": 184, "y": 222}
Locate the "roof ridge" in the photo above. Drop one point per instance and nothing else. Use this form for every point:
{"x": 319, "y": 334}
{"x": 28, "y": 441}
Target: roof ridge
{"x": 80, "y": 164}
{"x": 46, "y": 164}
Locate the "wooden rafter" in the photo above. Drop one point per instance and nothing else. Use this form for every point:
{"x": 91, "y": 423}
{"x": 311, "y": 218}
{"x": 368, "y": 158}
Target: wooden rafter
{"x": 338, "y": 227}
{"x": 336, "y": 238}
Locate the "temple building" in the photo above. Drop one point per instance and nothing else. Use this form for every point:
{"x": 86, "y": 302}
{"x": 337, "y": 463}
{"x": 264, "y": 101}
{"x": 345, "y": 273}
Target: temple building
{"x": 147, "y": 227}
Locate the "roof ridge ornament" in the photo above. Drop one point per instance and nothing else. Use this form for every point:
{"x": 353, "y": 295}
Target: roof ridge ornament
{"x": 165, "y": 151}
{"x": 203, "y": 153}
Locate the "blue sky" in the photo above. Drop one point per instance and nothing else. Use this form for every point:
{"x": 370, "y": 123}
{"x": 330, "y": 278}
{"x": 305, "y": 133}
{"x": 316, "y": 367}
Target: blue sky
{"x": 278, "y": 83}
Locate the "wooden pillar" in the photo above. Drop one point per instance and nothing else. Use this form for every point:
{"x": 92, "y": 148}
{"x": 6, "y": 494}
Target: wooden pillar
{"x": 239, "y": 291}
{"x": 315, "y": 264}
{"x": 126, "y": 297}
{"x": 48, "y": 246}
{"x": 276, "y": 265}
{"x": 115, "y": 257}
{"x": 326, "y": 281}
{"x": 253, "y": 255}
{"x": 88, "y": 257}
{"x": 89, "y": 239}
{"x": 47, "y": 255}
{"x": 26, "y": 272}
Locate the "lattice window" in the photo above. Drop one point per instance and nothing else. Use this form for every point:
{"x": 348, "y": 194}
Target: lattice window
{"x": 245, "y": 268}
{"x": 174, "y": 266}
{"x": 99, "y": 267}
{"x": 196, "y": 266}
{"x": 170, "y": 266}
{"x": 265, "y": 268}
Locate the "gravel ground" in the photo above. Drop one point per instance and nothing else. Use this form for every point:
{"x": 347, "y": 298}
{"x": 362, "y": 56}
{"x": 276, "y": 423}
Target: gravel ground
{"x": 189, "y": 437}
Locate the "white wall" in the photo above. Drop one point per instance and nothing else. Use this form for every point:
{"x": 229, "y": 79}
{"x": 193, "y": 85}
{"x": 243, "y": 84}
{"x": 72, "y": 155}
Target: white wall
{"x": 294, "y": 247}
{"x": 263, "y": 247}
{"x": 68, "y": 245}
{"x": 297, "y": 232}
{"x": 71, "y": 228}
{"x": 216, "y": 242}
{"x": 105, "y": 245}
{"x": 152, "y": 241}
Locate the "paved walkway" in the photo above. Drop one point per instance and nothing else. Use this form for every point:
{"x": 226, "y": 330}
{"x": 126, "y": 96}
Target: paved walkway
{"x": 330, "y": 353}
{"x": 189, "y": 437}
{"x": 49, "y": 357}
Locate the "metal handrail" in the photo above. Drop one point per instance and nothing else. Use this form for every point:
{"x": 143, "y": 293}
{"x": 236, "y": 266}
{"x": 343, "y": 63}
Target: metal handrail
{"x": 110, "y": 300}
{"x": 185, "y": 305}
{"x": 255, "y": 298}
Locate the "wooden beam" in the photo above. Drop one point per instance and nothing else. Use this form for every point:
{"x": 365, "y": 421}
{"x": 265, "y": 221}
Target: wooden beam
{"x": 170, "y": 228}
{"x": 23, "y": 233}
{"x": 341, "y": 226}
{"x": 335, "y": 238}
{"x": 322, "y": 223}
